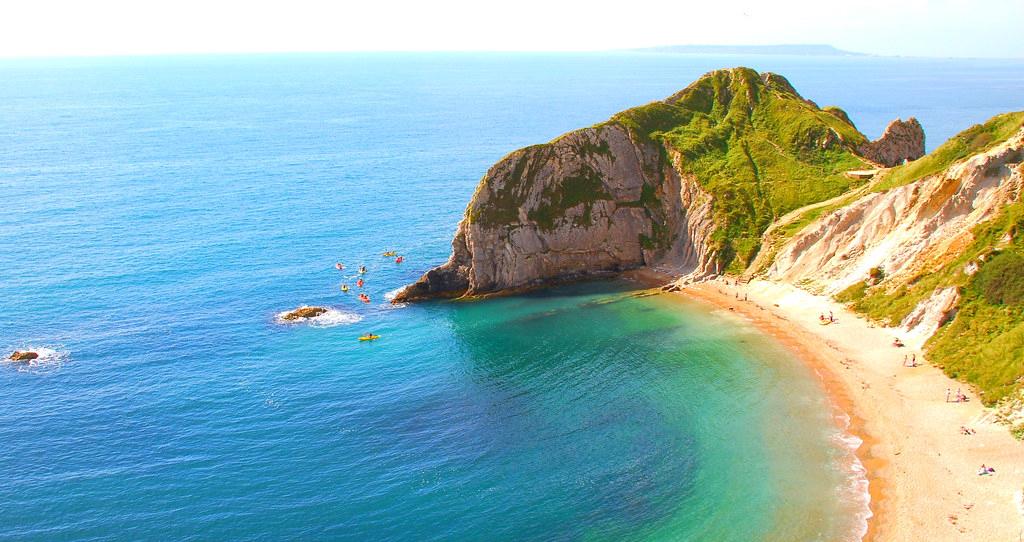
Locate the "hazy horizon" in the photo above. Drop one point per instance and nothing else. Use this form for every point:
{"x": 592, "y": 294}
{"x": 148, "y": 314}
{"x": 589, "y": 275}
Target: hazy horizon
{"x": 916, "y": 28}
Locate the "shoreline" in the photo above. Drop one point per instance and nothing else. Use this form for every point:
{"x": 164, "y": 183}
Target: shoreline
{"x": 921, "y": 471}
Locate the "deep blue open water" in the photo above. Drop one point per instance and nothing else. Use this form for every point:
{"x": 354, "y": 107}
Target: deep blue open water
{"x": 160, "y": 212}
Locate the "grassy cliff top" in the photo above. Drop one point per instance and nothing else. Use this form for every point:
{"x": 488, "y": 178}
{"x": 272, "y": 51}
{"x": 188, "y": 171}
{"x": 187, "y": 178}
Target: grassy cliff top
{"x": 756, "y": 145}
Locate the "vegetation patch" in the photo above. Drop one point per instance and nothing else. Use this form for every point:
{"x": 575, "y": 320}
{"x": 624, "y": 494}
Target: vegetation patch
{"x": 498, "y": 206}
{"x": 588, "y": 149}
{"x": 1001, "y": 280}
{"x": 585, "y": 187}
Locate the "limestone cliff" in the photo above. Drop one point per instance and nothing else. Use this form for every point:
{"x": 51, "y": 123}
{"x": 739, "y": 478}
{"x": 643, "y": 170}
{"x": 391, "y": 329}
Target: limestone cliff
{"x": 687, "y": 185}
{"x": 902, "y": 141}
{"x": 594, "y": 201}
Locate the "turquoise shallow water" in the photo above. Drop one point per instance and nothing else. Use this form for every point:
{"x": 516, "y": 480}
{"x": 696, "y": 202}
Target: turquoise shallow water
{"x": 161, "y": 211}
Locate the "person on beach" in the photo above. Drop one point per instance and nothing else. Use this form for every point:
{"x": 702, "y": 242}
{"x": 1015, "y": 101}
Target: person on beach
{"x": 830, "y": 317}
{"x": 948, "y": 391}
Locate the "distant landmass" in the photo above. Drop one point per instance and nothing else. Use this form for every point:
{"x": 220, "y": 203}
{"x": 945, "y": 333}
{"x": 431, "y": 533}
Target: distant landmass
{"x": 803, "y": 50}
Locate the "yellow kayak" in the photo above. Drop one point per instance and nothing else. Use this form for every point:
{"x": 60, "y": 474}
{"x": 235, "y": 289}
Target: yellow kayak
{"x": 369, "y": 337}
{"x": 389, "y": 254}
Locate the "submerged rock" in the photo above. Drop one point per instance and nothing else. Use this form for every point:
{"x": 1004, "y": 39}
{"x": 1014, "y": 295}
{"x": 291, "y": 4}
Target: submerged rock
{"x": 303, "y": 313}
{"x": 19, "y": 355}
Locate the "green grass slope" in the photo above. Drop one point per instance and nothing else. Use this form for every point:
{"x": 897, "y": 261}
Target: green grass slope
{"x": 758, "y": 147}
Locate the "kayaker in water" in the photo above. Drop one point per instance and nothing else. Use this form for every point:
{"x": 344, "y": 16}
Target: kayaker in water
{"x": 344, "y": 287}
{"x": 399, "y": 259}
{"x": 362, "y": 269}
{"x": 360, "y": 283}
{"x": 338, "y": 266}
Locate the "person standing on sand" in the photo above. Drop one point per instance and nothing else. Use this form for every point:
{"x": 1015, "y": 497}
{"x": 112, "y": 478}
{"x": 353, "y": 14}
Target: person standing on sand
{"x": 947, "y": 394}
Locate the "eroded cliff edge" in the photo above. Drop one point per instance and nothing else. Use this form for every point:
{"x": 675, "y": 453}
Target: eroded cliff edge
{"x": 935, "y": 249}
{"x": 686, "y": 185}
{"x": 594, "y": 201}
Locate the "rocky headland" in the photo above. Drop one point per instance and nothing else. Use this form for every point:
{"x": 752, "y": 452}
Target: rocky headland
{"x": 686, "y": 185}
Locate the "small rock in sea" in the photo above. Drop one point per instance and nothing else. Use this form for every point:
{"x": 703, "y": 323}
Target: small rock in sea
{"x": 304, "y": 312}
{"x": 18, "y": 355}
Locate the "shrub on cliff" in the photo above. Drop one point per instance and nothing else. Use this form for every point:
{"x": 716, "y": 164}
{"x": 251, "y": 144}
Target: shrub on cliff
{"x": 1001, "y": 279}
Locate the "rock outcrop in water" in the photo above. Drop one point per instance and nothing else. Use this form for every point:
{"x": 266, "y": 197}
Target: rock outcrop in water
{"x": 302, "y": 313}
{"x": 666, "y": 185}
{"x": 23, "y": 356}
{"x": 902, "y": 141}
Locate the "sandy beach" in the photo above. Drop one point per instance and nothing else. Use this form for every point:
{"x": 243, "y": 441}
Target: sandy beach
{"x": 922, "y": 470}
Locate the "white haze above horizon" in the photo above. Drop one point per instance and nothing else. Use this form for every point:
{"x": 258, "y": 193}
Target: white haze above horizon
{"x": 943, "y": 28}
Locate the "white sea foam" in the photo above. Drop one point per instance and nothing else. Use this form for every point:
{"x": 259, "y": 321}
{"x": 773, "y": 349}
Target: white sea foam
{"x": 855, "y": 488}
{"x": 331, "y": 318}
{"x": 49, "y": 358}
{"x": 390, "y": 296}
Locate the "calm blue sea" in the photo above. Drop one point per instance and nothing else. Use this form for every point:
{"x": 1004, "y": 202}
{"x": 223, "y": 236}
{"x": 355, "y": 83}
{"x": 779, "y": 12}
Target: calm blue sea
{"x": 160, "y": 212}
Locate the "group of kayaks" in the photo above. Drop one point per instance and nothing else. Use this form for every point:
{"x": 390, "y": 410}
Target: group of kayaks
{"x": 359, "y": 284}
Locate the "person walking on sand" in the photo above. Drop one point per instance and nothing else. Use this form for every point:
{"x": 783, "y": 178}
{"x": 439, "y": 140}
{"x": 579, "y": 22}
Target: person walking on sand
{"x": 947, "y": 394}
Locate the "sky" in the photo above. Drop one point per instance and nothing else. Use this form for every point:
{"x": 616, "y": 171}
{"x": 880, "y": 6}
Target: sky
{"x": 953, "y": 28}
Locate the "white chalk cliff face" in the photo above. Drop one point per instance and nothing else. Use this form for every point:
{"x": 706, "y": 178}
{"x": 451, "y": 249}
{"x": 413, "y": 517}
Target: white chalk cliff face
{"x": 906, "y": 231}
